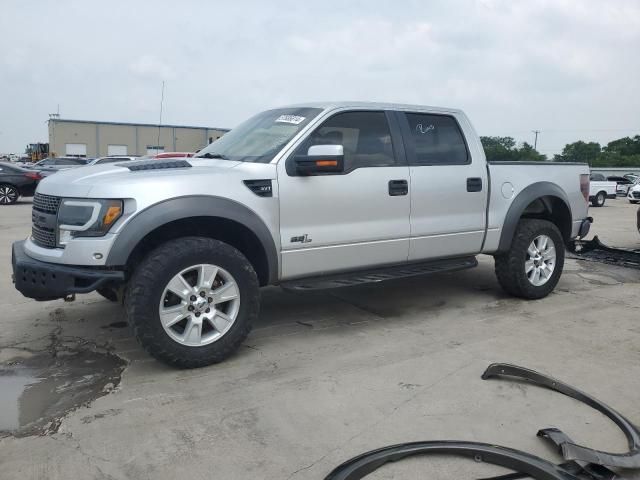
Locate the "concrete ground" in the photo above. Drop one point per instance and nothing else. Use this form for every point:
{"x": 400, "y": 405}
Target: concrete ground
{"x": 329, "y": 375}
{"x": 615, "y": 223}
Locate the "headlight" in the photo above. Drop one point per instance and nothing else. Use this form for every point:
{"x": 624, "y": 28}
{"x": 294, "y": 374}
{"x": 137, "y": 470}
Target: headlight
{"x": 86, "y": 218}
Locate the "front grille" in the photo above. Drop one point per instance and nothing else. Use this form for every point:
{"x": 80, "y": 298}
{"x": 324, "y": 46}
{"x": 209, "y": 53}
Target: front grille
{"x": 636, "y": 194}
{"x": 43, "y": 237}
{"x": 46, "y": 203}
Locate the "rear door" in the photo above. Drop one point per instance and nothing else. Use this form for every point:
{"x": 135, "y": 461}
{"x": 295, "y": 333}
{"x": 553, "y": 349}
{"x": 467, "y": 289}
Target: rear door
{"x": 350, "y": 220}
{"x": 448, "y": 187}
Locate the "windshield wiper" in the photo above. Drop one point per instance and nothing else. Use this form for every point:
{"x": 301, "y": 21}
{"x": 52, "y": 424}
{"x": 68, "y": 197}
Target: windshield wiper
{"x": 213, "y": 155}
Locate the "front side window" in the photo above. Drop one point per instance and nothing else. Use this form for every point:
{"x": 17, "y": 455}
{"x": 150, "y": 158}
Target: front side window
{"x": 260, "y": 138}
{"x": 364, "y": 136}
{"x": 435, "y": 140}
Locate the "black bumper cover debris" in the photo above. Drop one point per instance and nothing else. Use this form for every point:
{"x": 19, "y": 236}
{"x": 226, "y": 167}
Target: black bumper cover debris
{"x": 597, "y": 251}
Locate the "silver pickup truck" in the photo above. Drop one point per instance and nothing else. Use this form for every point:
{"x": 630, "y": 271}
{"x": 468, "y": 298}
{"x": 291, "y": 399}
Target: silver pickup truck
{"x": 320, "y": 195}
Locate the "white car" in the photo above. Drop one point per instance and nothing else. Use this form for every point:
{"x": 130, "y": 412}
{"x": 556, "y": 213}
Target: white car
{"x": 633, "y": 195}
{"x": 600, "y": 190}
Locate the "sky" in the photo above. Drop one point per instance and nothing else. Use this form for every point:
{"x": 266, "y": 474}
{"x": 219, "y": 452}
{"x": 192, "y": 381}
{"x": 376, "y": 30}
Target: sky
{"x": 569, "y": 68}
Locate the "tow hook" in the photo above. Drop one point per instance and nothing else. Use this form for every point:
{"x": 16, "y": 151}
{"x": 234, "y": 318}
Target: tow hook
{"x": 70, "y": 298}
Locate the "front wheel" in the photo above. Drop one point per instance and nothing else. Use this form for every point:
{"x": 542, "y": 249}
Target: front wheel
{"x": 598, "y": 200}
{"x": 8, "y": 194}
{"x": 192, "y": 301}
{"x": 532, "y": 267}
{"x": 634, "y": 201}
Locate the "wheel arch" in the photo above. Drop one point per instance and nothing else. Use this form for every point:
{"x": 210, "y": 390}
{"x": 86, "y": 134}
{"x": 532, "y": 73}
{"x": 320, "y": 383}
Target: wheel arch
{"x": 541, "y": 200}
{"x": 214, "y": 217}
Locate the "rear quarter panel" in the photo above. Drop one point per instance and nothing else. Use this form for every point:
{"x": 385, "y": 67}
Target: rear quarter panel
{"x": 508, "y": 179}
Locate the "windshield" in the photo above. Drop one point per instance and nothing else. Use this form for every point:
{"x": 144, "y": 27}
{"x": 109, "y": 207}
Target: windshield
{"x": 261, "y": 137}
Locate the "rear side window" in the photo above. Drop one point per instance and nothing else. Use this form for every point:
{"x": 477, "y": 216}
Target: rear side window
{"x": 435, "y": 140}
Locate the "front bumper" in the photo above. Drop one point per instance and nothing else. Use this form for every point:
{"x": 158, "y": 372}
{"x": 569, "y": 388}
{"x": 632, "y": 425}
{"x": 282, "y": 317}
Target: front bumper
{"x": 48, "y": 281}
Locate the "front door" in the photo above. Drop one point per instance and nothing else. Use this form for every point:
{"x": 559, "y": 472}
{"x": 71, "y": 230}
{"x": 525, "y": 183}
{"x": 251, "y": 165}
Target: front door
{"x": 354, "y": 219}
{"x": 448, "y": 188}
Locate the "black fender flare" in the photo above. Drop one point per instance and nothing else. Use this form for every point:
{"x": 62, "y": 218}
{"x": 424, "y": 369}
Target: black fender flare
{"x": 531, "y": 465}
{"x": 147, "y": 220}
{"x": 570, "y": 450}
{"x": 535, "y": 191}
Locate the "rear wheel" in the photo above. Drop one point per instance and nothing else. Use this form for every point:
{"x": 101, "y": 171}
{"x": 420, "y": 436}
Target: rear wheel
{"x": 533, "y": 265}
{"x": 599, "y": 199}
{"x": 192, "y": 301}
{"x": 8, "y": 194}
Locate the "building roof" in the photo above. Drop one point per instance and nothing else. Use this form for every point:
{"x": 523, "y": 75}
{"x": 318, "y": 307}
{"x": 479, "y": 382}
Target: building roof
{"x": 96, "y": 122}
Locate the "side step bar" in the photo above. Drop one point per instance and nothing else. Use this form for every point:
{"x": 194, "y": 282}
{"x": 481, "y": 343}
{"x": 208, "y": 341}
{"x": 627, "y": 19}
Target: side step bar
{"x": 350, "y": 279}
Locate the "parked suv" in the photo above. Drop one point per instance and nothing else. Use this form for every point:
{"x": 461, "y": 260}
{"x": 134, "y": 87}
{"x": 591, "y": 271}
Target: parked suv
{"x": 306, "y": 197}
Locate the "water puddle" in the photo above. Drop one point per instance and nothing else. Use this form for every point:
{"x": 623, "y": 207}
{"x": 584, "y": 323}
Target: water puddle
{"x": 37, "y": 391}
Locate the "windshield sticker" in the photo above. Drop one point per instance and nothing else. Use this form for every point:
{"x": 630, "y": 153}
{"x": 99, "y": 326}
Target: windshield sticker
{"x": 423, "y": 130}
{"x": 294, "y": 119}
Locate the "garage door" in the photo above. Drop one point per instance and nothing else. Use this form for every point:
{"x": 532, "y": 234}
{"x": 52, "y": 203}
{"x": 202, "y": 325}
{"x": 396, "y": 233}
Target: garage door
{"x": 76, "y": 149}
{"x": 154, "y": 149}
{"x": 116, "y": 149}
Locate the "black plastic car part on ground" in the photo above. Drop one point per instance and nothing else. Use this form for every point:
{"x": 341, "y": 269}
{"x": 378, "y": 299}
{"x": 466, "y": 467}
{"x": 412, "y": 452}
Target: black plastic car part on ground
{"x": 530, "y": 465}
{"x": 597, "y": 251}
{"x": 571, "y": 451}
{"x": 582, "y": 463}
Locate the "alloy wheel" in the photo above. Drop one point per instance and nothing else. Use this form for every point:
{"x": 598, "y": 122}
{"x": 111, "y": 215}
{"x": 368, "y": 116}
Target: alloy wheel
{"x": 199, "y": 305}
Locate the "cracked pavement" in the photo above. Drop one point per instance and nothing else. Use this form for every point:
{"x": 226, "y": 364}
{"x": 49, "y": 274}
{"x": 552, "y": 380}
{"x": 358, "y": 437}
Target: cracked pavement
{"x": 328, "y": 375}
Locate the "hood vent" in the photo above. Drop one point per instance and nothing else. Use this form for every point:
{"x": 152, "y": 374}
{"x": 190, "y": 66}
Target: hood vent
{"x": 136, "y": 166}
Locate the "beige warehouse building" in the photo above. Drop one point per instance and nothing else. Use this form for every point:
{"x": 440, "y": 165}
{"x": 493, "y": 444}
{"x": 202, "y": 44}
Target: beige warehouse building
{"x": 84, "y": 138}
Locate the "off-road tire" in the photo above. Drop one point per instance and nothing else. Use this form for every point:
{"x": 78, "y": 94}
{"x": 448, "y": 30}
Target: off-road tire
{"x": 510, "y": 266}
{"x": 599, "y": 199}
{"x": 147, "y": 284}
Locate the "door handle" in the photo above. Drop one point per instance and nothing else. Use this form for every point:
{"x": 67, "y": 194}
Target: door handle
{"x": 474, "y": 184}
{"x": 398, "y": 187}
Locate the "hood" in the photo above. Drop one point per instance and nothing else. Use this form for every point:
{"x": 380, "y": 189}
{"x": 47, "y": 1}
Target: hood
{"x": 128, "y": 180}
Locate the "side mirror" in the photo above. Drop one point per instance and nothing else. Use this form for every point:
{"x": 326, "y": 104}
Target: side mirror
{"x": 321, "y": 159}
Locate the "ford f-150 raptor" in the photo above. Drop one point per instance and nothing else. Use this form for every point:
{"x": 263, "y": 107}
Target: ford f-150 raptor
{"x": 310, "y": 196}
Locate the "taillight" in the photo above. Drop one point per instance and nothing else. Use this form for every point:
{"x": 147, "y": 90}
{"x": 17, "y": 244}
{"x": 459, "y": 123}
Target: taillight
{"x": 584, "y": 186}
{"x": 33, "y": 175}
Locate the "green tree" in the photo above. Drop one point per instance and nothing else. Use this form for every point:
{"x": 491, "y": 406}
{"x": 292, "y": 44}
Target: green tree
{"x": 527, "y": 153}
{"x": 625, "y": 147}
{"x": 498, "y": 149}
{"x": 580, "y": 152}
{"x": 504, "y": 149}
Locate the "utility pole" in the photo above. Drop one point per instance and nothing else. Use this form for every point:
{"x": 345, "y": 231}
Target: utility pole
{"x": 535, "y": 142}
{"x": 160, "y": 121}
